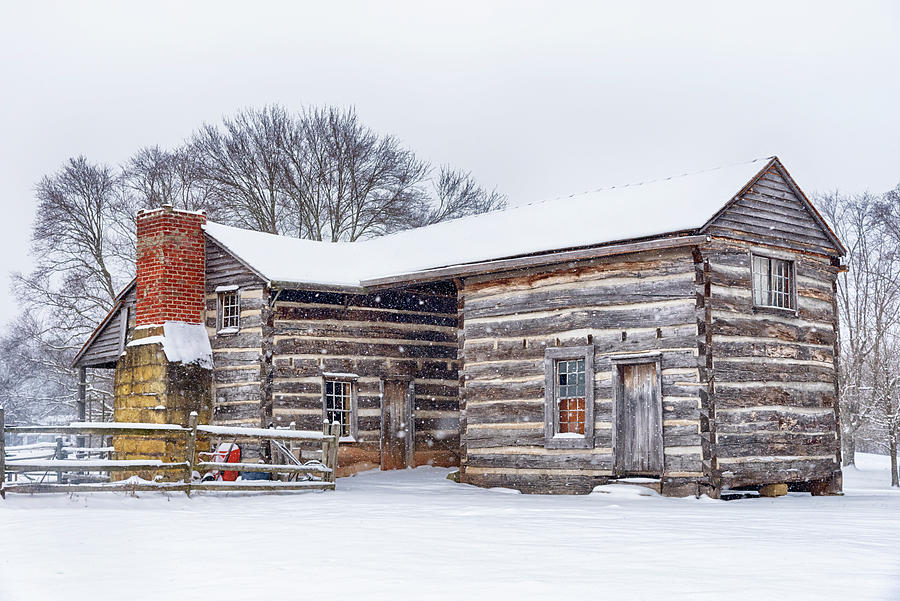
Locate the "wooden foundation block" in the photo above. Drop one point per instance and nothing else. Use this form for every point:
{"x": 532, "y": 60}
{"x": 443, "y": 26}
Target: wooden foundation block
{"x": 773, "y": 490}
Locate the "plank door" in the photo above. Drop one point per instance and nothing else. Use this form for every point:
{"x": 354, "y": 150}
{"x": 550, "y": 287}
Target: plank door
{"x": 396, "y": 424}
{"x": 639, "y": 444}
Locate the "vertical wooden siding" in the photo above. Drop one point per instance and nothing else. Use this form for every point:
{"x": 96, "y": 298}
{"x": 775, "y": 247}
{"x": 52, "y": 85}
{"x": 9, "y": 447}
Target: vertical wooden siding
{"x": 620, "y": 305}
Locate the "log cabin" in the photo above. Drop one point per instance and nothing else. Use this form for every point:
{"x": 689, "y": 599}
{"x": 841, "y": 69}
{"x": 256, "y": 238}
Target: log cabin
{"x": 680, "y": 332}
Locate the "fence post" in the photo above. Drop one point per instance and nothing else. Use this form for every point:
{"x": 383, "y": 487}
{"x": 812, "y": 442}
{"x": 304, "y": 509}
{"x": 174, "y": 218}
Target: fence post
{"x": 81, "y": 404}
{"x": 326, "y": 446}
{"x": 333, "y": 460}
{"x": 190, "y": 448}
{"x": 290, "y": 443}
{"x": 2, "y": 454}
{"x": 59, "y": 455}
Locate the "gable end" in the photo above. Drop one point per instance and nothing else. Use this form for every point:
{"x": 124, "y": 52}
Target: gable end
{"x": 772, "y": 210}
{"x": 224, "y": 269}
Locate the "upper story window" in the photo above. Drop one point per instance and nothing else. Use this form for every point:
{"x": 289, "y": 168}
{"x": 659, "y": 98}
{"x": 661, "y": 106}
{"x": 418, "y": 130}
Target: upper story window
{"x": 229, "y": 314}
{"x": 339, "y": 404}
{"x": 569, "y": 397}
{"x": 773, "y": 283}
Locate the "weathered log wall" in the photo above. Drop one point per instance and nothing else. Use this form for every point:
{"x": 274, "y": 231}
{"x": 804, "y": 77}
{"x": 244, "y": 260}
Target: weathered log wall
{"x": 620, "y": 305}
{"x": 408, "y": 334}
{"x": 239, "y": 375}
{"x": 773, "y": 385}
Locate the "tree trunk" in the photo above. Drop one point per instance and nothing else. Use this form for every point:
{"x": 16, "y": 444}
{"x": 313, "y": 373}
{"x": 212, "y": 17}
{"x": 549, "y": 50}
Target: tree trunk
{"x": 848, "y": 449}
{"x": 895, "y": 478}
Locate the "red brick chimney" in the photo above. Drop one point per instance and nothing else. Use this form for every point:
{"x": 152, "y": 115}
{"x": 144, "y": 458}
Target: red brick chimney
{"x": 155, "y": 382}
{"x": 171, "y": 264}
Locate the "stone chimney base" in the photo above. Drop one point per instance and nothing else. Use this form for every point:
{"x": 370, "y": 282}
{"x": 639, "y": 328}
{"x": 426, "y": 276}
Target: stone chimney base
{"x": 151, "y": 389}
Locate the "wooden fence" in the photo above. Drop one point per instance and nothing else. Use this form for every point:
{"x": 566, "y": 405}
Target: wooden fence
{"x": 322, "y": 471}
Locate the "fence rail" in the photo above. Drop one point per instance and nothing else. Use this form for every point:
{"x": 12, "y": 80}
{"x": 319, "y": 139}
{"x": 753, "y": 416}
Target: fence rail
{"x": 323, "y": 469}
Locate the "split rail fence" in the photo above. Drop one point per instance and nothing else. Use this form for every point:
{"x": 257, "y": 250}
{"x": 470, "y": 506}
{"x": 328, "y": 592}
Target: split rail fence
{"x": 321, "y": 471}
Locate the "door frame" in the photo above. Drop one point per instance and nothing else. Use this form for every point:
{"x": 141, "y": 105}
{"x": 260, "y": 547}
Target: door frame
{"x": 618, "y": 387}
{"x": 409, "y": 410}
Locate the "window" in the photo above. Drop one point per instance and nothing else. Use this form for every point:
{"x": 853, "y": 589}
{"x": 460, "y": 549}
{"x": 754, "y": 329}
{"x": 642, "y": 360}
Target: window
{"x": 569, "y": 397}
{"x": 339, "y": 403}
{"x": 229, "y": 311}
{"x": 773, "y": 282}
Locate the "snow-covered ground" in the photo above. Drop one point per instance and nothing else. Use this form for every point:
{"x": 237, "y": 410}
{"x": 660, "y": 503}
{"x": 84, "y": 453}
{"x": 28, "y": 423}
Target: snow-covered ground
{"x": 415, "y": 535}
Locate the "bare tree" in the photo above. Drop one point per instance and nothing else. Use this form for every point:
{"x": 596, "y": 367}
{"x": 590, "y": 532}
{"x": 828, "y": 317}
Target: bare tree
{"x": 323, "y": 175}
{"x": 850, "y": 218}
{"x": 869, "y": 311}
{"x": 243, "y": 165}
{"x": 70, "y": 234}
{"x": 75, "y": 279}
{"x": 156, "y": 177}
{"x": 458, "y": 194}
{"x": 345, "y": 182}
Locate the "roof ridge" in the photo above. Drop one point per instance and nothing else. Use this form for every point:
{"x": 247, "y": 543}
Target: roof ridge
{"x": 577, "y": 194}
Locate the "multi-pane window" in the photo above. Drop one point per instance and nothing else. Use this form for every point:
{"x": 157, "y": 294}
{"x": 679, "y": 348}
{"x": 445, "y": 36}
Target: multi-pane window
{"x": 773, "y": 282}
{"x": 229, "y": 311}
{"x": 570, "y": 398}
{"x": 339, "y": 404}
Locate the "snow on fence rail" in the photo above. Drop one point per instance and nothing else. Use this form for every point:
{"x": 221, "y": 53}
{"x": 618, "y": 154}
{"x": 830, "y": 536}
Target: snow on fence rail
{"x": 324, "y": 470}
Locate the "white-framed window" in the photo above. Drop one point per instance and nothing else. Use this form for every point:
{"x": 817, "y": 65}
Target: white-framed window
{"x": 339, "y": 404}
{"x": 229, "y": 313}
{"x": 773, "y": 282}
{"x": 569, "y": 397}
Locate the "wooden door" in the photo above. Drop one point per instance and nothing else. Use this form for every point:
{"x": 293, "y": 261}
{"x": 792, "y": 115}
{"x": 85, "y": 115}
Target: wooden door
{"x": 396, "y": 424}
{"x": 639, "y": 445}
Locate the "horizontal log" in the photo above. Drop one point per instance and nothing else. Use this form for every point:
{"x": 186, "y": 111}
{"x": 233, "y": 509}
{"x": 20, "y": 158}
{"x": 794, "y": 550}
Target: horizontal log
{"x": 761, "y": 326}
{"x": 92, "y": 465}
{"x": 103, "y": 428}
{"x": 745, "y": 449}
{"x": 614, "y": 292}
{"x": 264, "y": 467}
{"x": 533, "y": 461}
{"x": 772, "y": 349}
{"x": 325, "y": 347}
{"x": 604, "y": 342}
{"x": 541, "y": 323}
{"x": 244, "y": 340}
{"x": 261, "y": 486}
{"x": 733, "y": 398}
{"x": 362, "y": 331}
{"x": 760, "y": 473}
{"x": 104, "y": 487}
{"x": 767, "y": 240}
{"x": 748, "y": 371}
{"x": 325, "y": 312}
{"x": 265, "y": 433}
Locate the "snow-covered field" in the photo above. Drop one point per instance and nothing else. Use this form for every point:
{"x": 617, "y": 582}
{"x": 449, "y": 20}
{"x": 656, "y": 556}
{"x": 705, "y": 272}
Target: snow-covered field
{"x": 415, "y": 535}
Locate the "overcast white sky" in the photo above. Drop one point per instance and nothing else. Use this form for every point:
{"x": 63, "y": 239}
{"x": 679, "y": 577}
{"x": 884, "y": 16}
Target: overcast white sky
{"x": 539, "y": 99}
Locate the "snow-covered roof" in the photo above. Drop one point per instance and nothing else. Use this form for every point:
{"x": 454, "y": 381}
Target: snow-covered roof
{"x": 675, "y": 204}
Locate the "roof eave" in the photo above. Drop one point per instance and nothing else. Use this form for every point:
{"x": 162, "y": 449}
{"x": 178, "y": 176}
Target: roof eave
{"x": 513, "y": 263}
{"x": 117, "y": 303}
